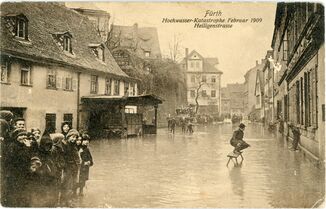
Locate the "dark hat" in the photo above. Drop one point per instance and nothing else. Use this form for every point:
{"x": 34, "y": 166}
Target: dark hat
{"x": 85, "y": 137}
{"x": 45, "y": 139}
{"x": 19, "y": 119}
{"x": 242, "y": 125}
{"x": 6, "y": 114}
{"x": 18, "y": 132}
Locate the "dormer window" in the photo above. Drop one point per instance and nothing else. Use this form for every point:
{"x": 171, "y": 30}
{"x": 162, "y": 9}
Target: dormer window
{"x": 18, "y": 25}
{"x": 98, "y": 50}
{"x": 67, "y": 44}
{"x": 147, "y": 53}
{"x": 21, "y": 28}
{"x": 64, "y": 39}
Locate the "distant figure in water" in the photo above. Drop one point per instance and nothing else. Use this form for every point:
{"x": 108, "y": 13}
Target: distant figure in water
{"x": 237, "y": 140}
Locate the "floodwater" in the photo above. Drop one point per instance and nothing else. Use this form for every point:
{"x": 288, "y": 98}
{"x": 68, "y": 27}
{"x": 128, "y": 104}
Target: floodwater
{"x": 183, "y": 170}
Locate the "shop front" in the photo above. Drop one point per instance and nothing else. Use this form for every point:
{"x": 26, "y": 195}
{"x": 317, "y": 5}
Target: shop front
{"x": 118, "y": 116}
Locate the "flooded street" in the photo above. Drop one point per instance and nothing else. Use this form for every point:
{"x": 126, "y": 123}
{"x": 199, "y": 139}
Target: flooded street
{"x": 190, "y": 171}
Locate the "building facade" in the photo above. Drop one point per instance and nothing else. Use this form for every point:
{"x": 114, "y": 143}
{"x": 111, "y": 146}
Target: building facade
{"x": 298, "y": 41}
{"x": 99, "y": 18}
{"x": 249, "y": 91}
{"x": 203, "y": 81}
{"x": 237, "y": 99}
{"x": 47, "y": 68}
{"x": 143, "y": 41}
{"x": 258, "y": 114}
{"x": 225, "y": 102}
{"x": 269, "y": 84}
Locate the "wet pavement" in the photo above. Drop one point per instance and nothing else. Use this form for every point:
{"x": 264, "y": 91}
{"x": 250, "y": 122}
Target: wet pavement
{"x": 190, "y": 171}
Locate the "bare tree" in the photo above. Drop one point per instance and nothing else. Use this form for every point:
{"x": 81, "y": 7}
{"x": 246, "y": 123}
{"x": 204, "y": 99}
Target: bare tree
{"x": 113, "y": 40}
{"x": 175, "y": 48}
{"x": 201, "y": 83}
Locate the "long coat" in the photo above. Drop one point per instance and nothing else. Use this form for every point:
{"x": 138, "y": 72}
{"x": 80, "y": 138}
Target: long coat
{"x": 18, "y": 164}
{"x": 237, "y": 136}
{"x": 85, "y": 156}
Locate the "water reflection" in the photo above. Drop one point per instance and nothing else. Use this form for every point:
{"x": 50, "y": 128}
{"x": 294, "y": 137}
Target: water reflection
{"x": 237, "y": 181}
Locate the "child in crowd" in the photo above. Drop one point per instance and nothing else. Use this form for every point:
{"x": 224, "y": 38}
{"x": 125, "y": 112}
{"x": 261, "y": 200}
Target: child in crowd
{"x": 37, "y": 135}
{"x": 65, "y": 127}
{"x": 72, "y": 163}
{"x": 86, "y": 162}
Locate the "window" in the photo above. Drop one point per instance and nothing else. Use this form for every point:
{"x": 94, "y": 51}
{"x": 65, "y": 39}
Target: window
{"x": 51, "y": 83}
{"x": 285, "y": 47}
{"x": 99, "y": 52}
{"x": 147, "y": 53}
{"x": 213, "y": 93}
{"x": 108, "y": 82}
{"x": 132, "y": 89}
{"x": 313, "y": 92}
{"x": 286, "y": 107}
{"x": 192, "y": 64}
{"x": 67, "y": 117}
{"x": 67, "y": 83}
{"x": 192, "y": 93}
{"x": 193, "y": 79}
{"x": 116, "y": 87}
{"x": 4, "y": 71}
{"x": 50, "y": 122}
{"x": 297, "y": 100}
{"x": 203, "y": 93}
{"x": 94, "y": 84}
{"x": 213, "y": 79}
{"x": 126, "y": 90}
{"x": 21, "y": 27}
{"x": 197, "y": 64}
{"x": 204, "y": 79}
{"x": 307, "y": 99}
{"x": 67, "y": 44}
{"x": 25, "y": 75}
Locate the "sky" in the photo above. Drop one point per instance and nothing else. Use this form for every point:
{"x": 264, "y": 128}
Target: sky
{"x": 236, "y": 48}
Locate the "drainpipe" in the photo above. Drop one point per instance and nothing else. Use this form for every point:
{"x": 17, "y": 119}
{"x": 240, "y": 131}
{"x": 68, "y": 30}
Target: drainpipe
{"x": 273, "y": 95}
{"x": 78, "y": 98}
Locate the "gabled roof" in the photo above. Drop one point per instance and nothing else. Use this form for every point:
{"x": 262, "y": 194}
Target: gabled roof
{"x": 144, "y": 39}
{"x": 212, "y": 60}
{"x": 46, "y": 19}
{"x": 208, "y": 63}
{"x": 208, "y": 68}
{"x": 192, "y": 53}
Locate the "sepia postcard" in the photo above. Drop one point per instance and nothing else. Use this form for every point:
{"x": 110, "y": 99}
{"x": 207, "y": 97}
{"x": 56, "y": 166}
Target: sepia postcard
{"x": 162, "y": 104}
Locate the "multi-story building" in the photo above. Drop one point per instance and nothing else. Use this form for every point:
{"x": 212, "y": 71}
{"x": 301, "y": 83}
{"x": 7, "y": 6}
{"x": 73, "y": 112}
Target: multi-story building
{"x": 50, "y": 64}
{"x": 203, "y": 81}
{"x": 249, "y": 91}
{"x": 258, "y": 114}
{"x": 298, "y": 44}
{"x": 225, "y": 102}
{"x": 143, "y": 41}
{"x": 236, "y": 94}
{"x": 99, "y": 18}
{"x": 269, "y": 81}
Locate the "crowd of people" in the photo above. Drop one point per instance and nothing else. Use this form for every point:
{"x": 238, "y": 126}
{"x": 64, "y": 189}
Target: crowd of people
{"x": 42, "y": 171}
{"x": 185, "y": 123}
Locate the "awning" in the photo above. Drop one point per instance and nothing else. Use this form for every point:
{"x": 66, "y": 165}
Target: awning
{"x": 143, "y": 100}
